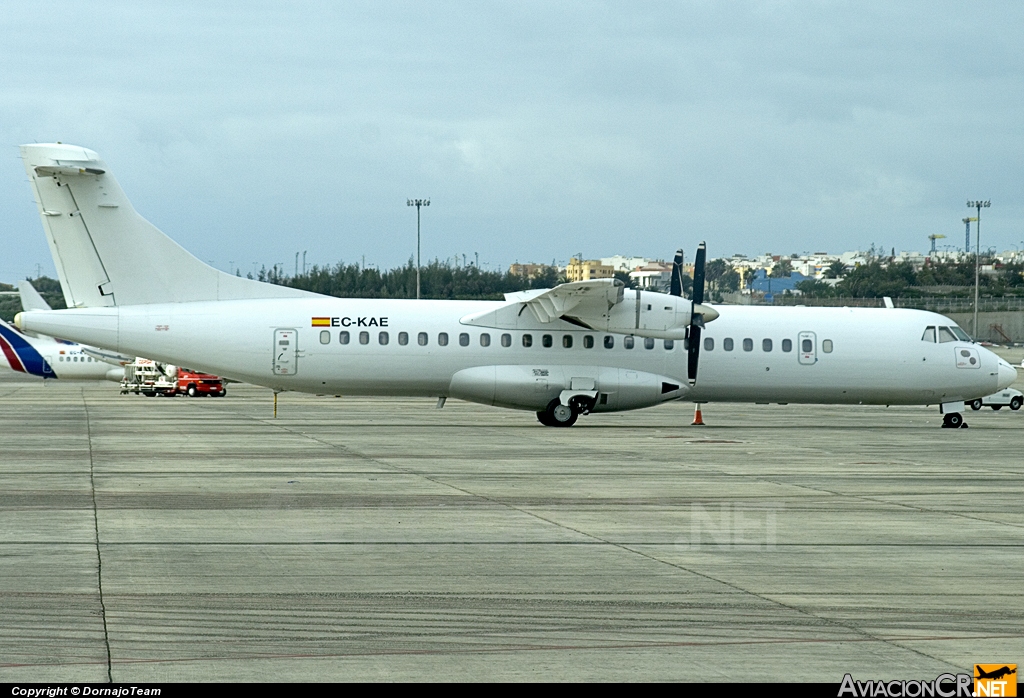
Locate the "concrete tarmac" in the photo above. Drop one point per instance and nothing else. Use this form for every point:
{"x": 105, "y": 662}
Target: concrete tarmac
{"x": 156, "y": 539}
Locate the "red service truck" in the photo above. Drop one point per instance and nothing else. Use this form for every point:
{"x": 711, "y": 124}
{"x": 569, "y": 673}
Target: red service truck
{"x": 194, "y": 384}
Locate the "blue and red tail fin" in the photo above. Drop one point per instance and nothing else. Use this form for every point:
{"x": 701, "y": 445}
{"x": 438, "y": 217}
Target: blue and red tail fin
{"x": 21, "y": 355}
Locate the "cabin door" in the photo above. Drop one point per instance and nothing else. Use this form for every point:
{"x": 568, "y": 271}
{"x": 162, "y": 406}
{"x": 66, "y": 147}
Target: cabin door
{"x": 286, "y": 352}
{"x": 807, "y": 348}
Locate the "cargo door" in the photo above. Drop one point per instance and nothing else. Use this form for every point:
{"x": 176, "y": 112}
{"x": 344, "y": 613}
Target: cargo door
{"x": 286, "y": 352}
{"x": 807, "y": 348}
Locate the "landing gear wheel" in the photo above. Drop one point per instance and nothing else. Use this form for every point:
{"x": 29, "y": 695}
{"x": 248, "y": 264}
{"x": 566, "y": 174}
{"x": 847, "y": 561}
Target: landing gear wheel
{"x": 997, "y": 407}
{"x": 976, "y": 404}
{"x": 558, "y": 415}
{"x": 542, "y": 417}
{"x": 1015, "y": 403}
{"x": 953, "y": 420}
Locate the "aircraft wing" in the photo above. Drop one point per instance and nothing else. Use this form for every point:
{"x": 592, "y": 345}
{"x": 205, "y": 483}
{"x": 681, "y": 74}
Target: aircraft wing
{"x": 585, "y": 303}
{"x": 110, "y": 357}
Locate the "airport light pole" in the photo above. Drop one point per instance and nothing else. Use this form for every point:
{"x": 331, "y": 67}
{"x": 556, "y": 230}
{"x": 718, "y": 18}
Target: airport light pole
{"x": 418, "y": 203}
{"x": 977, "y": 259}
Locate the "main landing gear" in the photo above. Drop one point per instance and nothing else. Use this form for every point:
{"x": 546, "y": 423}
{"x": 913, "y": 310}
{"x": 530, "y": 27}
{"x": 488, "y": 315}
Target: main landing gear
{"x": 558, "y": 415}
{"x": 953, "y": 420}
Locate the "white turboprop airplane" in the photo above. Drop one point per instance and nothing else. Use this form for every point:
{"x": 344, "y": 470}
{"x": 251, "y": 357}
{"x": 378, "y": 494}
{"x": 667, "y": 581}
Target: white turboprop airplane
{"x": 47, "y": 357}
{"x": 580, "y": 347}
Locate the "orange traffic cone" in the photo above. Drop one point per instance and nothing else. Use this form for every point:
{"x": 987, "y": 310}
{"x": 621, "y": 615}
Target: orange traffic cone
{"x": 697, "y": 420}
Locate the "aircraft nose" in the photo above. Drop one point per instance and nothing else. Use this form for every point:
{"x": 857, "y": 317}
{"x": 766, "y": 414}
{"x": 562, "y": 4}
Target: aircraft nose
{"x": 1007, "y": 375}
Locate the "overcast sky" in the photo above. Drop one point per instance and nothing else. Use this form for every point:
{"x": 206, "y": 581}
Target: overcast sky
{"x": 249, "y": 131}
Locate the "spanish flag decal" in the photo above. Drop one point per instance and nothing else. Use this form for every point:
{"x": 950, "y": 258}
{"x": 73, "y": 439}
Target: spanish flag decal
{"x": 321, "y": 322}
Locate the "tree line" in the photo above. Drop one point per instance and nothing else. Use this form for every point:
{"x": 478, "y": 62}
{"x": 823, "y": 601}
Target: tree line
{"x": 902, "y": 279}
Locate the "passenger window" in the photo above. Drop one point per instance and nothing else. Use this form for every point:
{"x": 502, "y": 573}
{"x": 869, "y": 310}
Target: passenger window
{"x": 648, "y": 342}
{"x": 709, "y": 344}
{"x": 766, "y": 345}
{"x": 485, "y": 340}
{"x": 442, "y": 339}
{"x": 945, "y": 335}
{"x": 364, "y": 337}
{"x": 727, "y": 344}
{"x": 383, "y": 338}
{"x": 628, "y": 341}
{"x": 506, "y": 340}
{"x": 325, "y": 336}
{"x": 546, "y": 341}
{"x": 527, "y": 340}
{"x": 463, "y": 339}
{"x": 403, "y": 338}
{"x": 422, "y": 339}
{"x": 807, "y": 346}
{"x": 929, "y": 334}
{"x": 588, "y": 341}
{"x": 669, "y": 344}
{"x": 343, "y": 337}
{"x": 748, "y": 344}
{"x": 787, "y": 345}
{"x": 609, "y": 342}
{"x": 567, "y": 341}
{"x": 826, "y": 346}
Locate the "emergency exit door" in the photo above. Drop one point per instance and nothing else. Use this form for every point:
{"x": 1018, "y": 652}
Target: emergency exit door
{"x": 286, "y": 352}
{"x": 807, "y": 348}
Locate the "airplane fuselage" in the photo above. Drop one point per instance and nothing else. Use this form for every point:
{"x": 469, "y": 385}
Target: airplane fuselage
{"x": 416, "y": 348}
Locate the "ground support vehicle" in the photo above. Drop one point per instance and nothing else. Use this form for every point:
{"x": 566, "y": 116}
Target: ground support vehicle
{"x": 195, "y": 384}
{"x": 1004, "y": 398}
{"x": 149, "y": 378}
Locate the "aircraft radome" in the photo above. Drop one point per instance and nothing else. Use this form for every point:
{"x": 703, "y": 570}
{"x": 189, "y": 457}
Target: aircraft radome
{"x": 581, "y": 347}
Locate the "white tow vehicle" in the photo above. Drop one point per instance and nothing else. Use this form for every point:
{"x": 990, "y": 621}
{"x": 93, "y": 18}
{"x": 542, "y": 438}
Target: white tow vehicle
{"x": 1004, "y": 398}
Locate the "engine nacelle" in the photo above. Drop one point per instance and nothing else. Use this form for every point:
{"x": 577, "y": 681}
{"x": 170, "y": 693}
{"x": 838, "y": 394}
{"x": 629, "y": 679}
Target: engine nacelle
{"x": 648, "y": 314}
{"x": 532, "y": 387}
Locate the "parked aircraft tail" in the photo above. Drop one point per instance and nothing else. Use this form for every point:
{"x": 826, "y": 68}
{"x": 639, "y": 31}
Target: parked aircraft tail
{"x": 19, "y": 354}
{"x": 30, "y": 298}
{"x": 105, "y": 252}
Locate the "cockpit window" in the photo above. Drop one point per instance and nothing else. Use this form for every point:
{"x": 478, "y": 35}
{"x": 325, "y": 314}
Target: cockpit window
{"x": 960, "y": 334}
{"x": 929, "y": 334}
{"x": 945, "y": 335}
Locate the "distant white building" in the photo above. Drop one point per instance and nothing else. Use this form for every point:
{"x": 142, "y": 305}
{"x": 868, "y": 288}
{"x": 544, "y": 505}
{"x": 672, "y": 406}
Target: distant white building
{"x": 652, "y": 276}
{"x": 620, "y": 263}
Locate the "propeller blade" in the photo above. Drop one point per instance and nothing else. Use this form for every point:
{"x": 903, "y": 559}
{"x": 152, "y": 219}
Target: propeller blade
{"x": 698, "y": 274}
{"x": 677, "y": 274}
{"x": 696, "y": 318}
{"x": 693, "y": 355}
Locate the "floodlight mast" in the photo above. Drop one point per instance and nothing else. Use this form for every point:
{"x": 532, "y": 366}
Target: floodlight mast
{"x": 418, "y": 203}
{"x": 977, "y": 259}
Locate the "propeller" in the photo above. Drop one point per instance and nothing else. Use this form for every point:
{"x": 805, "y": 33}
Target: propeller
{"x": 677, "y": 275}
{"x": 696, "y": 316}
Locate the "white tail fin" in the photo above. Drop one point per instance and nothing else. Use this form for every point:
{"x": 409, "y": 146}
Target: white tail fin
{"x": 105, "y": 252}
{"x": 30, "y": 298}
